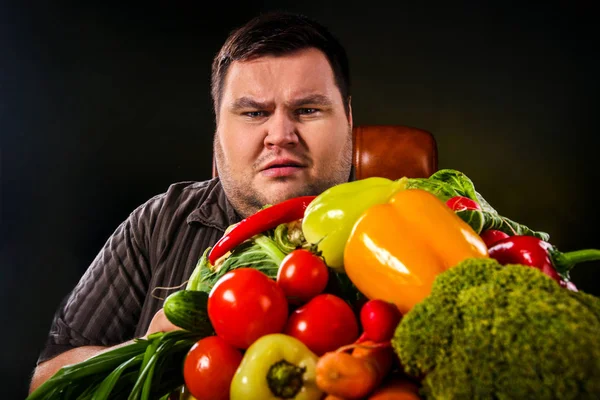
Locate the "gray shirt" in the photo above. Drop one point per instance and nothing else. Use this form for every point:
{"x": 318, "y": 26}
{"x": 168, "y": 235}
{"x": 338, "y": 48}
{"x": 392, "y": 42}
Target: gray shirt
{"x": 157, "y": 246}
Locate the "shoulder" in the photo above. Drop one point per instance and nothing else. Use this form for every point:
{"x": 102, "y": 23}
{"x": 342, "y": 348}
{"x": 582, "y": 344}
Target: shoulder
{"x": 181, "y": 195}
{"x": 188, "y": 202}
{"x": 193, "y": 189}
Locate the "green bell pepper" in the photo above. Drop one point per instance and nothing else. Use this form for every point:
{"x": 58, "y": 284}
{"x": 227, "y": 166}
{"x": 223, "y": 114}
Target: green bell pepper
{"x": 329, "y": 218}
{"x": 276, "y": 366}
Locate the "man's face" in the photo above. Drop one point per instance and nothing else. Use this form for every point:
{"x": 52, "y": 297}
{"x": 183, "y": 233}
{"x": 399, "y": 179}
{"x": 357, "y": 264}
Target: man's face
{"x": 282, "y": 130}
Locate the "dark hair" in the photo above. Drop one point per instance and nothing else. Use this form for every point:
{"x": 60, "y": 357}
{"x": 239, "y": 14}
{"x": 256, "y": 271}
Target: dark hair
{"x": 279, "y": 33}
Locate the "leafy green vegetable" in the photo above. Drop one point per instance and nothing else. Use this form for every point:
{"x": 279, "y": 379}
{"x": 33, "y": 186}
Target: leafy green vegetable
{"x": 483, "y": 220}
{"x": 488, "y": 331}
{"x": 263, "y": 252}
{"x": 89, "y": 372}
{"x": 448, "y": 183}
{"x": 140, "y": 370}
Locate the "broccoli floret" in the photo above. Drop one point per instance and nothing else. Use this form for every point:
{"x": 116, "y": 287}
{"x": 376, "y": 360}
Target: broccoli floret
{"x": 592, "y": 302}
{"x": 502, "y": 332}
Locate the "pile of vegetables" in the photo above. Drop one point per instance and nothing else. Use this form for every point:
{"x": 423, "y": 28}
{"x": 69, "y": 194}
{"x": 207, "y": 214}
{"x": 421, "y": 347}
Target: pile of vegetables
{"x": 375, "y": 289}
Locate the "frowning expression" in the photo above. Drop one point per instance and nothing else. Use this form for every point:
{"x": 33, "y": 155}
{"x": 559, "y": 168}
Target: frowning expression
{"x": 282, "y": 130}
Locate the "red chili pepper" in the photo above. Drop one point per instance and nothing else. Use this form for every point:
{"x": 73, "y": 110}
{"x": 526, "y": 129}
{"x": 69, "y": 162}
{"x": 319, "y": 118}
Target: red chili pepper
{"x": 460, "y": 203}
{"x": 261, "y": 221}
{"x": 492, "y": 236}
{"x": 534, "y": 252}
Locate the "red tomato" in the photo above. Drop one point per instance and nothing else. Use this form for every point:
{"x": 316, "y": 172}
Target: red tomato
{"x": 209, "y": 367}
{"x": 246, "y": 304}
{"x": 492, "y": 236}
{"x": 379, "y": 319}
{"x": 302, "y": 275}
{"x": 323, "y": 324}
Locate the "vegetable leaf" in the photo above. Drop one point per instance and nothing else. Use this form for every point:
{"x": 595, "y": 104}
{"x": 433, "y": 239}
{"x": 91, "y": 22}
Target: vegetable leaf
{"x": 448, "y": 183}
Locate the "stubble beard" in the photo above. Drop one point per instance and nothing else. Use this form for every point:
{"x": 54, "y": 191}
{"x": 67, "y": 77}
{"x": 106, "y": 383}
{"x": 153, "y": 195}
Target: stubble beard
{"x": 247, "y": 200}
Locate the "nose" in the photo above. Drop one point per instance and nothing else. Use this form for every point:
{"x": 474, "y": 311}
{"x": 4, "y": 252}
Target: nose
{"x": 281, "y": 131}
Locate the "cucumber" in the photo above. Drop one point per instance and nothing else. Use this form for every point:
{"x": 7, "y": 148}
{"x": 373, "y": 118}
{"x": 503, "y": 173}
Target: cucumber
{"x": 187, "y": 309}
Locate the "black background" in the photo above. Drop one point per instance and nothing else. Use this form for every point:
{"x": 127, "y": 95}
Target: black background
{"x": 102, "y": 107}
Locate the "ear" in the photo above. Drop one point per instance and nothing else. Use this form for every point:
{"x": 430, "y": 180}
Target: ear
{"x": 350, "y": 120}
{"x": 215, "y": 171}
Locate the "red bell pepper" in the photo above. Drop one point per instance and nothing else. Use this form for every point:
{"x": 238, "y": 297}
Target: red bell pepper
{"x": 261, "y": 221}
{"x": 537, "y": 253}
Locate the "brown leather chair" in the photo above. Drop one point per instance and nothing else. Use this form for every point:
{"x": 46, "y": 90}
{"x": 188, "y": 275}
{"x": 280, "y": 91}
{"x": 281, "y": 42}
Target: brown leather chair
{"x": 391, "y": 151}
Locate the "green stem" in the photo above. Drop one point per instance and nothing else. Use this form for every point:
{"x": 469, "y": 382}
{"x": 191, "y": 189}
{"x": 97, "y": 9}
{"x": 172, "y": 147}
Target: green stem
{"x": 105, "y": 388}
{"x": 270, "y": 248}
{"x": 196, "y": 277}
{"x": 99, "y": 364}
{"x": 285, "y": 379}
{"x": 563, "y": 262}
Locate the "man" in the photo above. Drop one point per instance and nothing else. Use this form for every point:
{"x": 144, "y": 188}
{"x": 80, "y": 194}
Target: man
{"x": 281, "y": 92}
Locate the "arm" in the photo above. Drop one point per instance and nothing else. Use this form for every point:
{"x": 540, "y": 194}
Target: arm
{"x": 104, "y": 308}
{"x": 47, "y": 369}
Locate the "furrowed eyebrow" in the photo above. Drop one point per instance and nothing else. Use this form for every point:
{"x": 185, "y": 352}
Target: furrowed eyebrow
{"x": 315, "y": 99}
{"x": 248, "y": 103}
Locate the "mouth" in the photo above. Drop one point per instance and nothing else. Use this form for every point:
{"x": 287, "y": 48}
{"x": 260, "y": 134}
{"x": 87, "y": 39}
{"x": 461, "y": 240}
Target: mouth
{"x": 282, "y": 168}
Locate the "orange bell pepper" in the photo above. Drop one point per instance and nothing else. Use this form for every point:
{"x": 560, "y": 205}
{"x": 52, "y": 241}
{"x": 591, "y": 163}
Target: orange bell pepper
{"x": 396, "y": 249}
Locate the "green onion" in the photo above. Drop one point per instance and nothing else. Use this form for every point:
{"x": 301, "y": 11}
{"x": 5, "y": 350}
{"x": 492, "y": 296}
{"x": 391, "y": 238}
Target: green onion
{"x": 124, "y": 372}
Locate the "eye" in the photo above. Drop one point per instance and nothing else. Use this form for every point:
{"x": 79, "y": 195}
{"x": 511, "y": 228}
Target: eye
{"x": 254, "y": 114}
{"x": 306, "y": 111}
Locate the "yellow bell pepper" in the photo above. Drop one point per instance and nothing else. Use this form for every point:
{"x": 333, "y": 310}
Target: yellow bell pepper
{"x": 276, "y": 366}
{"x": 396, "y": 249}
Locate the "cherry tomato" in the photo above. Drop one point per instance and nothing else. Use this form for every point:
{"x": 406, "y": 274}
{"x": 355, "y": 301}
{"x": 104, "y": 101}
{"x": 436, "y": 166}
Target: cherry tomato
{"x": 246, "y": 304}
{"x": 209, "y": 367}
{"x": 491, "y": 236}
{"x": 302, "y": 275}
{"x": 379, "y": 319}
{"x": 323, "y": 324}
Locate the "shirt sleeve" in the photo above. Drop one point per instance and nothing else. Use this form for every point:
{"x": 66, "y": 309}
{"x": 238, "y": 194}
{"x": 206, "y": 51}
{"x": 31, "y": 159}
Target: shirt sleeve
{"x": 104, "y": 307}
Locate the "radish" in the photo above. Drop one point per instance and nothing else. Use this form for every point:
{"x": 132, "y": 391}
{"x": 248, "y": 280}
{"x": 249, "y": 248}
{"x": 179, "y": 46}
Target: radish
{"x": 379, "y": 319}
{"x": 461, "y": 203}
